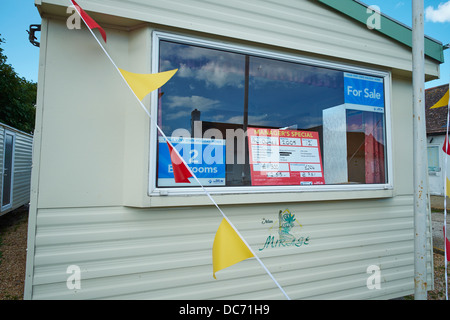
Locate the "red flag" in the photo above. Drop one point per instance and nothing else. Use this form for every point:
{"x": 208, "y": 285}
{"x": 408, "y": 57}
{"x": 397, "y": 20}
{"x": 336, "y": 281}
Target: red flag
{"x": 446, "y": 146}
{"x": 180, "y": 172}
{"x": 447, "y": 245}
{"x": 89, "y": 21}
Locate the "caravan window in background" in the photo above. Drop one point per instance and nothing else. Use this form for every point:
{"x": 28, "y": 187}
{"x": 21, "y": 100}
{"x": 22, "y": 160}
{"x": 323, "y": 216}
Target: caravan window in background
{"x": 433, "y": 159}
{"x": 248, "y": 119}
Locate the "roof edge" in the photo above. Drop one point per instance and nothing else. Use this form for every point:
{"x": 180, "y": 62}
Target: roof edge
{"x": 390, "y": 27}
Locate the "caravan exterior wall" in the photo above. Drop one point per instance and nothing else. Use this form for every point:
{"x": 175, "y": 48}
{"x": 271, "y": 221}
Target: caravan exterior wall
{"x": 16, "y": 161}
{"x": 99, "y": 229}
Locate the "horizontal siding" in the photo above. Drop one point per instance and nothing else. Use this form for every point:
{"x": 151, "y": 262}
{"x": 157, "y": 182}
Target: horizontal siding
{"x": 22, "y": 169}
{"x": 127, "y": 253}
{"x": 2, "y": 138}
{"x": 165, "y": 253}
{"x": 294, "y": 24}
{"x": 23, "y": 145}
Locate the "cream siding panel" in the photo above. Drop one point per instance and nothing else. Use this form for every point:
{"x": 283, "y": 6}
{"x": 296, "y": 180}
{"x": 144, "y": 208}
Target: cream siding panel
{"x": 127, "y": 253}
{"x": 402, "y": 142}
{"x": 81, "y": 155}
{"x": 92, "y": 158}
{"x": 294, "y": 24}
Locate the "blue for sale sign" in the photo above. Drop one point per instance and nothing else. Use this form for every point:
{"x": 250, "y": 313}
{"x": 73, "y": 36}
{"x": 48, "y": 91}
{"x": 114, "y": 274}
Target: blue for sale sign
{"x": 364, "y": 90}
{"x": 205, "y": 158}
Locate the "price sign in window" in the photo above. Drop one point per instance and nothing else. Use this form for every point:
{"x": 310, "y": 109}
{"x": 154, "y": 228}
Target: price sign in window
{"x": 294, "y": 159}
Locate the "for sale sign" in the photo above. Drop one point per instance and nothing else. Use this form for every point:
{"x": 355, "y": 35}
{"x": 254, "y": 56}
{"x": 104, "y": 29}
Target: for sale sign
{"x": 364, "y": 90}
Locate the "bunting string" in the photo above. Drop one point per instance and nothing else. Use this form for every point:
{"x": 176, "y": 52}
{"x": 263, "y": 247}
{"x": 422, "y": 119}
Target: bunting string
{"x": 163, "y": 77}
{"x": 446, "y": 191}
{"x": 444, "y": 102}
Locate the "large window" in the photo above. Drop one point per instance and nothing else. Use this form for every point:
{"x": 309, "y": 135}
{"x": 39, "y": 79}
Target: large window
{"x": 243, "y": 118}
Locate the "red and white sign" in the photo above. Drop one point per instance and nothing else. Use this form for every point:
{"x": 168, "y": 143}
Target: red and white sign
{"x": 284, "y": 157}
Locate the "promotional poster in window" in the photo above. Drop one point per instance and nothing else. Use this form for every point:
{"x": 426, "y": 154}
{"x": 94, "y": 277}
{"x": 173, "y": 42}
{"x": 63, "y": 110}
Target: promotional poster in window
{"x": 284, "y": 157}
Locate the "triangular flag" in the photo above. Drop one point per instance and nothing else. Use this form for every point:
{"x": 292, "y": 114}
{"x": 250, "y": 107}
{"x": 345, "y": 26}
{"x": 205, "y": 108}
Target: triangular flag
{"x": 446, "y": 146}
{"x": 446, "y": 149}
{"x": 443, "y": 102}
{"x": 228, "y": 248}
{"x": 180, "y": 172}
{"x": 143, "y": 84}
{"x": 447, "y": 245}
{"x": 89, "y": 21}
{"x": 447, "y": 182}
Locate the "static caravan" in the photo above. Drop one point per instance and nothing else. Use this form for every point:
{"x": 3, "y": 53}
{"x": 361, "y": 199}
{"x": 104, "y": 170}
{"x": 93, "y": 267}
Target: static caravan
{"x": 15, "y": 178}
{"x": 294, "y": 115}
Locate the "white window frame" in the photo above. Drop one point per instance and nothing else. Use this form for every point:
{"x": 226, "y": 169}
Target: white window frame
{"x": 10, "y": 204}
{"x": 153, "y": 190}
{"x": 438, "y": 169}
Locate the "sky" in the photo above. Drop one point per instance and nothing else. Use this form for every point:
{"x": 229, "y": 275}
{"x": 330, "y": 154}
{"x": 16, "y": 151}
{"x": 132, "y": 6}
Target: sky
{"x": 437, "y": 25}
{"x": 17, "y": 15}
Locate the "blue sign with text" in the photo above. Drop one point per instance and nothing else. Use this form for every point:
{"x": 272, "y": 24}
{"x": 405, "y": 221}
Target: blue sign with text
{"x": 205, "y": 158}
{"x": 363, "y": 90}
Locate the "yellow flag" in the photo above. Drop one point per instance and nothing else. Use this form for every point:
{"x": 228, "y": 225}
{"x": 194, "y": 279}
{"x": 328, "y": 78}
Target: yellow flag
{"x": 143, "y": 84}
{"x": 448, "y": 186}
{"x": 228, "y": 248}
{"x": 443, "y": 102}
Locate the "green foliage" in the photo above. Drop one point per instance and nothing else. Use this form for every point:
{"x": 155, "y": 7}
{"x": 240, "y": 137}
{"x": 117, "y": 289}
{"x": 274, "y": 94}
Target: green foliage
{"x": 17, "y": 97}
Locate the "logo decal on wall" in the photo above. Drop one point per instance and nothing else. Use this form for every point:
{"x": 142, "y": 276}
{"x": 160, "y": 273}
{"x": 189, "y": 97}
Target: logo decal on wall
{"x": 284, "y": 232}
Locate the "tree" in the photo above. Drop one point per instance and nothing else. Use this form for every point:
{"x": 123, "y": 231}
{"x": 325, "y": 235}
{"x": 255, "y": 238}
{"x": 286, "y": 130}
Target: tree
{"x": 17, "y": 97}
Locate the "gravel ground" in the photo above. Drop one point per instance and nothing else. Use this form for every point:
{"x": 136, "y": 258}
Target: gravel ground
{"x": 439, "y": 278}
{"x": 13, "y": 245}
{"x": 13, "y": 252}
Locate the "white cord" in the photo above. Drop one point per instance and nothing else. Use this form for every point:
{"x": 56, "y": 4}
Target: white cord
{"x": 193, "y": 175}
